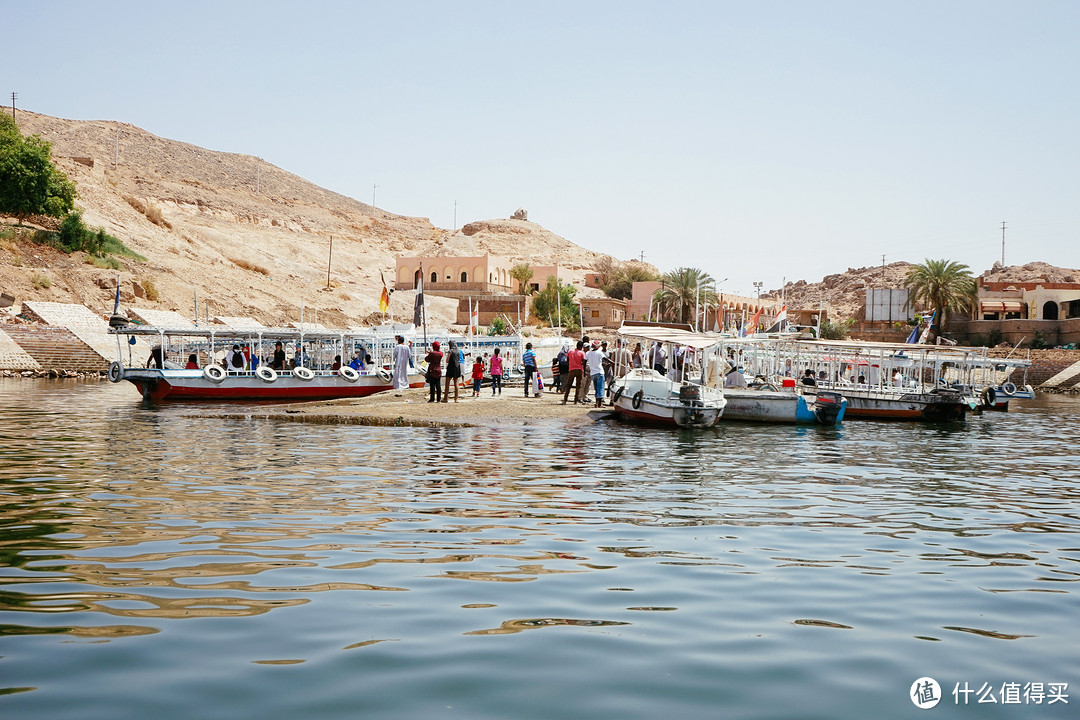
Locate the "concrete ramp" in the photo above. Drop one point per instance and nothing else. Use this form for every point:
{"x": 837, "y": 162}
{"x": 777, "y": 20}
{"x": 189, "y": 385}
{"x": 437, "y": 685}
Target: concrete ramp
{"x": 239, "y": 323}
{"x": 13, "y": 357}
{"x": 1066, "y": 377}
{"x": 56, "y": 348}
{"x": 160, "y": 318}
{"x": 86, "y": 325}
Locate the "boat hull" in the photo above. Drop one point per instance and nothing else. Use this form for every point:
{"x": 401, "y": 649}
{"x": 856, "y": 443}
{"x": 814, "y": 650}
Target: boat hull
{"x": 778, "y": 406}
{"x": 158, "y": 385}
{"x": 647, "y": 397}
{"x": 933, "y": 406}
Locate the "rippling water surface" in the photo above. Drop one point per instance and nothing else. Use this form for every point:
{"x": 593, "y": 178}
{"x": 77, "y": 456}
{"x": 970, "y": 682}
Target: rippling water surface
{"x": 160, "y": 564}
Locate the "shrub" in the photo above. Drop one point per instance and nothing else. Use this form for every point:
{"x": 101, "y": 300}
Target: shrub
{"x": 42, "y": 282}
{"x": 250, "y": 266}
{"x": 497, "y": 327}
{"x": 150, "y": 289}
{"x": 835, "y": 330}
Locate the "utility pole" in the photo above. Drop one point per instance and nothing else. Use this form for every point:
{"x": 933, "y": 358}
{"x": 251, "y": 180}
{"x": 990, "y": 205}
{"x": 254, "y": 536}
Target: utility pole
{"x": 14, "y": 95}
{"x": 373, "y": 186}
{"x": 1002, "y": 239}
{"x": 116, "y": 158}
{"x": 455, "y": 216}
{"x": 258, "y": 177}
{"x": 329, "y": 260}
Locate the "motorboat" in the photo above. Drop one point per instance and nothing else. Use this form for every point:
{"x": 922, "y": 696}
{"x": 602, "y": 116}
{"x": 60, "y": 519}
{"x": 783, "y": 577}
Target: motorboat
{"x": 644, "y": 395}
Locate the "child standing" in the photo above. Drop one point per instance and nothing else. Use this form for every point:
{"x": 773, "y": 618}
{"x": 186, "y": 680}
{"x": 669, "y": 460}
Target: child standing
{"x": 477, "y": 375}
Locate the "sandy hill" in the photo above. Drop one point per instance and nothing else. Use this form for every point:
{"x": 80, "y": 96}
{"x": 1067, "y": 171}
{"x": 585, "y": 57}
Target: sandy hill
{"x": 248, "y": 237}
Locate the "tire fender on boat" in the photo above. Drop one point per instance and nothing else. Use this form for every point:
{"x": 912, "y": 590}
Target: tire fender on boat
{"x": 639, "y": 397}
{"x": 214, "y": 373}
{"x": 768, "y": 386}
{"x": 116, "y": 372}
{"x": 1008, "y": 388}
{"x": 384, "y": 375}
{"x": 266, "y": 374}
{"x": 989, "y": 397}
{"x": 303, "y": 373}
{"x": 349, "y": 374}
{"x": 617, "y": 395}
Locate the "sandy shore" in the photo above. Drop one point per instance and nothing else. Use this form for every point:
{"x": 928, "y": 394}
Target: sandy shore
{"x": 411, "y": 408}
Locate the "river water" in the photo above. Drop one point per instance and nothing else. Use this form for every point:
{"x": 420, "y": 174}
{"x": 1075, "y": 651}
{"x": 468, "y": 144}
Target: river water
{"x": 162, "y": 564}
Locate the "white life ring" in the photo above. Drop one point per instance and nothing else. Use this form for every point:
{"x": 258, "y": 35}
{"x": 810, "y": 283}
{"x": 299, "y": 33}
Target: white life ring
{"x": 266, "y": 374}
{"x": 1008, "y": 388}
{"x": 116, "y": 372}
{"x": 214, "y": 373}
{"x": 303, "y": 373}
{"x": 349, "y": 374}
{"x": 384, "y": 375}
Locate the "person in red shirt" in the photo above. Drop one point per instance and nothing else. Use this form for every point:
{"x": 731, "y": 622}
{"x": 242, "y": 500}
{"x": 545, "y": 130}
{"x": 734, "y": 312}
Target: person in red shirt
{"x": 477, "y": 375}
{"x": 434, "y": 372}
{"x": 192, "y": 362}
{"x": 576, "y": 360}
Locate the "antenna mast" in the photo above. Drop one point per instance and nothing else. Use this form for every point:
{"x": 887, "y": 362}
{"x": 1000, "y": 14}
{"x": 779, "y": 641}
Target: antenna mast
{"x": 1002, "y": 243}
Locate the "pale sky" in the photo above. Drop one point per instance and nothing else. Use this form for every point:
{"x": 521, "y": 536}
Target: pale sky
{"x": 755, "y": 140}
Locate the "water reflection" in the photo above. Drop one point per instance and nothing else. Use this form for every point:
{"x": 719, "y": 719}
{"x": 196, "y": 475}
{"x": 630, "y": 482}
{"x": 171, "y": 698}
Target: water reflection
{"x": 304, "y": 541}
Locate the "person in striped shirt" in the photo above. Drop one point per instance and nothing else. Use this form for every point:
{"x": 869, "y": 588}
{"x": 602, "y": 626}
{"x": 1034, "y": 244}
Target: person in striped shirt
{"x": 528, "y": 359}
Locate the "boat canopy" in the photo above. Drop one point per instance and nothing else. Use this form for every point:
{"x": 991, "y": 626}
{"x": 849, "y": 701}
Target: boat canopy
{"x": 698, "y": 341}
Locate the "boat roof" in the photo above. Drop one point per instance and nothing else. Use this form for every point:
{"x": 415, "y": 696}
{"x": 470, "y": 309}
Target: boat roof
{"x": 698, "y": 341}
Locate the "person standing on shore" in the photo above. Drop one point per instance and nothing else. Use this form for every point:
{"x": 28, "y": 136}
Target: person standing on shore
{"x": 402, "y": 360}
{"x": 528, "y": 359}
{"x": 575, "y": 360}
{"x": 477, "y": 375}
{"x": 434, "y": 372}
{"x": 595, "y": 359}
{"x": 453, "y": 372}
{"x": 496, "y": 370}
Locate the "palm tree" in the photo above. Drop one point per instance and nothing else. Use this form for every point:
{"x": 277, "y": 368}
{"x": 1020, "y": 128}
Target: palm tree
{"x": 683, "y": 291}
{"x": 943, "y": 286}
{"x": 523, "y": 274}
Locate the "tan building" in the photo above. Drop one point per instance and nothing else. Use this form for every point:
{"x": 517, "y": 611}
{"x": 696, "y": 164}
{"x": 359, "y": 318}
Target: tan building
{"x": 511, "y": 307}
{"x": 456, "y": 276}
{"x": 606, "y": 312}
{"x": 1028, "y": 301}
{"x": 541, "y": 273}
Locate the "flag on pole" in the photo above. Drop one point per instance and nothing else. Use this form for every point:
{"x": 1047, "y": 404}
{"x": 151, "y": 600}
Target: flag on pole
{"x": 914, "y": 336}
{"x": 925, "y": 337}
{"x": 751, "y": 326}
{"x": 780, "y": 321}
{"x": 116, "y": 303}
{"x": 384, "y": 299}
{"x": 474, "y": 317}
{"x": 418, "y": 306}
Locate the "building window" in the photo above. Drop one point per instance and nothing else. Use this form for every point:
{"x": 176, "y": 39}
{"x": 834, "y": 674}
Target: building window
{"x": 464, "y": 276}
{"x": 596, "y": 313}
{"x": 434, "y": 277}
{"x": 1050, "y": 310}
{"x": 1073, "y": 309}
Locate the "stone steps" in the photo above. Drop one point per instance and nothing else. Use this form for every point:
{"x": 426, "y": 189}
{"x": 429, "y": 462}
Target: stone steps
{"x": 55, "y": 348}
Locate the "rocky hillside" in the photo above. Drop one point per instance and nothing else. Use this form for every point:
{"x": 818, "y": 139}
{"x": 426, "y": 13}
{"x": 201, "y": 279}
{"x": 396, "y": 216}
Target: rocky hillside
{"x": 248, "y": 237}
{"x": 843, "y": 294}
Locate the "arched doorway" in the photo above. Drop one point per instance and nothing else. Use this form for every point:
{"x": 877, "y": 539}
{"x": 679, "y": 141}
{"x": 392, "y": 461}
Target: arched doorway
{"x": 1050, "y": 310}
{"x": 434, "y": 277}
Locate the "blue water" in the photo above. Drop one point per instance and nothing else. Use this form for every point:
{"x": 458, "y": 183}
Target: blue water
{"x": 162, "y": 564}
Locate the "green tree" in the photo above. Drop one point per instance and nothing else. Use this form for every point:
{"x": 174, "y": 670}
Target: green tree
{"x": 684, "y": 290}
{"x": 523, "y": 274}
{"x": 547, "y": 303}
{"x": 621, "y": 283}
{"x": 944, "y": 286}
{"x": 29, "y": 182}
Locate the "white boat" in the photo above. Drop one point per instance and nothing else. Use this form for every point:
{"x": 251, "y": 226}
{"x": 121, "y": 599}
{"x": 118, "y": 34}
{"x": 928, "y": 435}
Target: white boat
{"x": 644, "y": 395}
{"x": 312, "y": 378}
{"x": 679, "y": 396}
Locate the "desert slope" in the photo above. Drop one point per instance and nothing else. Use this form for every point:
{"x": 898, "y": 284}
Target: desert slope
{"x": 246, "y": 236}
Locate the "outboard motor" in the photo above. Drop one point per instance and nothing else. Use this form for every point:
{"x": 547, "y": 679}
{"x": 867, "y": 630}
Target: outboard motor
{"x": 690, "y": 395}
{"x": 827, "y": 407}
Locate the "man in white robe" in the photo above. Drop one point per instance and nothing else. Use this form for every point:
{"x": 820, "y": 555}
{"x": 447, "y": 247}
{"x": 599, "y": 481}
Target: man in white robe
{"x": 401, "y": 364}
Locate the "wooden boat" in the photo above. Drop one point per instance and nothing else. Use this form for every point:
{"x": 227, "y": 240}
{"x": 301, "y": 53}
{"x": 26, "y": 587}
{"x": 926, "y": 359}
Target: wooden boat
{"x": 310, "y": 379}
